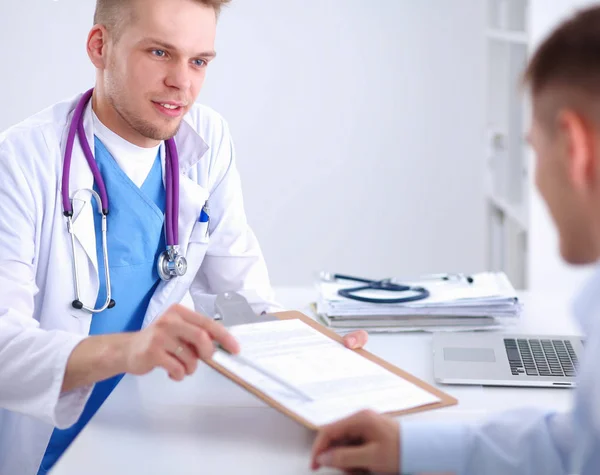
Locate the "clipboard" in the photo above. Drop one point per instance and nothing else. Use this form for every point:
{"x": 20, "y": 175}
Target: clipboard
{"x": 445, "y": 400}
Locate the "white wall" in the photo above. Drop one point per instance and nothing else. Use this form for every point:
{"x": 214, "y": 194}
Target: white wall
{"x": 547, "y": 270}
{"x": 358, "y": 124}
{"x": 44, "y": 58}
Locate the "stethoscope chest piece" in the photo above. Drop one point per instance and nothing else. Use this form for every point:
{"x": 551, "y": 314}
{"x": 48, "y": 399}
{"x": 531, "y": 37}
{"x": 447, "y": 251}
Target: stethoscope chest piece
{"x": 171, "y": 264}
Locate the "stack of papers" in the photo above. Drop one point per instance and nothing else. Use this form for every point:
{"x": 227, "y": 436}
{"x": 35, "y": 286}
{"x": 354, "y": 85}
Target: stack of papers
{"x": 490, "y": 301}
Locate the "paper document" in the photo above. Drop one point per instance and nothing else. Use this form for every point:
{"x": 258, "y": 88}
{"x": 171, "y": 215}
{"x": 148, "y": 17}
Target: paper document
{"x": 487, "y": 301}
{"x": 338, "y": 381}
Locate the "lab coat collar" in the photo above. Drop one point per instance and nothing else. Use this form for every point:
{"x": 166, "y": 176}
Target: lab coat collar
{"x": 189, "y": 142}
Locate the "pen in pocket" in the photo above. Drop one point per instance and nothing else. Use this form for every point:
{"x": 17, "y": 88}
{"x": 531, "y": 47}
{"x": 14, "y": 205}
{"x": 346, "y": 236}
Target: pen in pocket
{"x": 204, "y": 217}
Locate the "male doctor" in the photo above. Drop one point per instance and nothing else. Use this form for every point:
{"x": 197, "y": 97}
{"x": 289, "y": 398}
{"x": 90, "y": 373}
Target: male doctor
{"x": 564, "y": 78}
{"x": 58, "y": 360}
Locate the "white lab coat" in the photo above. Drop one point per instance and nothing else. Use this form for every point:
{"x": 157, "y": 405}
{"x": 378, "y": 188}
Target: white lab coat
{"x": 38, "y": 326}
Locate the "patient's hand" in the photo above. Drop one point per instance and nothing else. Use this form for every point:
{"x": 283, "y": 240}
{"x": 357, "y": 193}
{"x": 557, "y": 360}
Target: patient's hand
{"x": 356, "y": 340}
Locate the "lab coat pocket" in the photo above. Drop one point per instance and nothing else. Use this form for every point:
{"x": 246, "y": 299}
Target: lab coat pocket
{"x": 200, "y": 233}
{"x": 84, "y": 321}
{"x": 197, "y": 247}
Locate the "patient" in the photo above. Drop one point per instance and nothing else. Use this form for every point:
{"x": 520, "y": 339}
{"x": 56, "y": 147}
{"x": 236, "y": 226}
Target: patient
{"x": 564, "y": 80}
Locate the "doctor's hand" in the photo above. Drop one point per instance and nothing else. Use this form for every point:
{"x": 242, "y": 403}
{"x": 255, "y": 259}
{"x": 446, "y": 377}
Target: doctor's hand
{"x": 356, "y": 340}
{"x": 365, "y": 441}
{"x": 175, "y": 342}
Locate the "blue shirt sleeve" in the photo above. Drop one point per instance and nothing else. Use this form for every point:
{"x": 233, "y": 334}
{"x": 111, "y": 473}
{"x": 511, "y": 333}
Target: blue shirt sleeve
{"x": 522, "y": 442}
{"x": 433, "y": 447}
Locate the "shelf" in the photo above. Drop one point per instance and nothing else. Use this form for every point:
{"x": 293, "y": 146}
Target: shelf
{"x": 513, "y": 212}
{"x": 507, "y": 245}
{"x": 509, "y": 15}
{"x": 507, "y": 157}
{"x": 517, "y": 37}
{"x": 507, "y": 171}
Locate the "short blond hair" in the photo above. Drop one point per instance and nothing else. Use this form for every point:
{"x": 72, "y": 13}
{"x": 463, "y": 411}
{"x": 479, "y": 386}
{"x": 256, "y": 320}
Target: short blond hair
{"x": 110, "y": 13}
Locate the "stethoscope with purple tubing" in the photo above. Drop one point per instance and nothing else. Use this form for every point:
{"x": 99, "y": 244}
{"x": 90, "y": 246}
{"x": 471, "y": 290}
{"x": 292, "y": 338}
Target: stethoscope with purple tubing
{"x": 170, "y": 262}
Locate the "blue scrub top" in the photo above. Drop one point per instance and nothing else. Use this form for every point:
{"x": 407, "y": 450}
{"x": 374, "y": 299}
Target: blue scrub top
{"x": 135, "y": 240}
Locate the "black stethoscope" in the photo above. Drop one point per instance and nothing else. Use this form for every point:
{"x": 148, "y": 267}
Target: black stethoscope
{"x": 417, "y": 292}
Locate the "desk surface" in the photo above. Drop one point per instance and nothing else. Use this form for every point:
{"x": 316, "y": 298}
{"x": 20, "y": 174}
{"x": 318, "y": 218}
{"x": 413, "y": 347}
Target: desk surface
{"x": 207, "y": 424}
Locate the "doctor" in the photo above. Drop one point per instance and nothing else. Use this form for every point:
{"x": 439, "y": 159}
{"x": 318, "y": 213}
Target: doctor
{"x": 79, "y": 307}
{"x": 564, "y": 78}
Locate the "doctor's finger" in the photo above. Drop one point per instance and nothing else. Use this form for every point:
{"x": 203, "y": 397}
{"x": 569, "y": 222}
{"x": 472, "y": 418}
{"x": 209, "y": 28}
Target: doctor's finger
{"x": 172, "y": 365}
{"x": 216, "y": 331}
{"x": 356, "y": 340}
{"x": 207, "y": 348}
{"x": 184, "y": 353}
{"x": 196, "y": 337}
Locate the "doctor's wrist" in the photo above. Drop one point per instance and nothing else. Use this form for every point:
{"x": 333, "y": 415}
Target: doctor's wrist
{"x": 118, "y": 351}
{"x": 97, "y": 358}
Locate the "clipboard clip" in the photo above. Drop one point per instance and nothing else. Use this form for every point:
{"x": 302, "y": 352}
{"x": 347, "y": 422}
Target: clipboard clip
{"x": 232, "y": 308}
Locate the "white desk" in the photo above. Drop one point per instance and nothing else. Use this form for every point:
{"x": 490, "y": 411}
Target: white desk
{"x": 208, "y": 425}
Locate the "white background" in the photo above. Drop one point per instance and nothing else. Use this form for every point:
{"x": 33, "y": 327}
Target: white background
{"x": 359, "y": 125}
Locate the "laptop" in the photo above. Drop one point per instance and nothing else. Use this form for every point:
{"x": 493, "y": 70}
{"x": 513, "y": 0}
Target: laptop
{"x": 497, "y": 359}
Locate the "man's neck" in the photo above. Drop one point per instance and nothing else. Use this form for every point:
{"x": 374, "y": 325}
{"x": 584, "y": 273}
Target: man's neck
{"x": 107, "y": 114}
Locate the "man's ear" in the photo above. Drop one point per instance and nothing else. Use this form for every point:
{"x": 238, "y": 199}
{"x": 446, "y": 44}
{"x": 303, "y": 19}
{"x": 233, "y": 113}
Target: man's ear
{"x": 96, "y": 46}
{"x": 578, "y": 137}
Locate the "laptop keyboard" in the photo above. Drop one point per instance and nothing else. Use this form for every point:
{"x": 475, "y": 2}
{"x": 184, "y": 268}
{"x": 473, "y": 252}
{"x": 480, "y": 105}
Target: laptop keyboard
{"x": 535, "y": 357}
